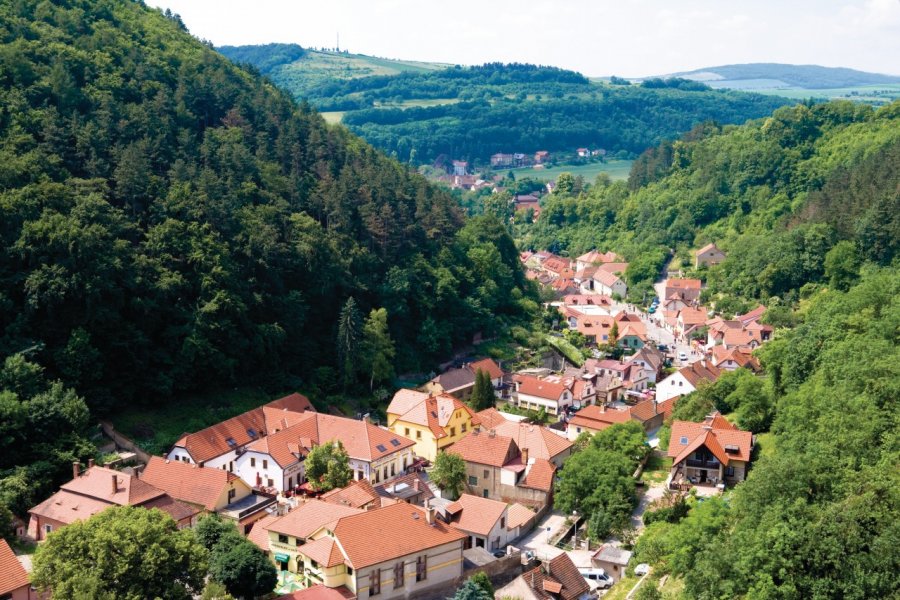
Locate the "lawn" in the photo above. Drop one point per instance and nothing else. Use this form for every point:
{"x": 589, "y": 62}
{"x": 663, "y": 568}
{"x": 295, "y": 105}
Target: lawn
{"x": 620, "y": 590}
{"x": 765, "y": 443}
{"x": 616, "y": 169}
{"x": 155, "y": 428}
{"x": 657, "y": 469}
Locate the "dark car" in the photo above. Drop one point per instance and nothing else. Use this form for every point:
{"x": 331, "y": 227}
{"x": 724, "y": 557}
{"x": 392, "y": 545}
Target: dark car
{"x": 499, "y": 553}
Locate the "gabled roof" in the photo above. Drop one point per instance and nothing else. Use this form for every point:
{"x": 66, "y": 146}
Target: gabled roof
{"x": 475, "y": 514}
{"x": 741, "y": 337}
{"x": 488, "y": 366}
{"x": 606, "y": 278}
{"x": 561, "y": 580}
{"x": 485, "y": 448}
{"x": 539, "y": 475}
{"x": 739, "y": 356}
{"x": 629, "y": 328}
{"x": 362, "y": 440}
{"x": 404, "y": 400}
{"x": 714, "y": 435}
{"x": 692, "y": 316}
{"x": 12, "y": 573}
{"x": 356, "y": 494}
{"x": 259, "y": 534}
{"x": 518, "y": 515}
{"x": 683, "y": 284}
{"x": 435, "y": 412}
{"x": 391, "y": 532}
{"x": 650, "y": 355}
{"x": 309, "y": 517}
{"x": 539, "y": 388}
{"x": 707, "y": 248}
{"x": 490, "y": 418}
{"x": 597, "y": 258}
{"x": 541, "y": 442}
{"x": 324, "y": 551}
{"x": 556, "y": 264}
{"x": 188, "y": 482}
{"x": 597, "y": 418}
{"x": 97, "y": 482}
{"x": 455, "y": 379}
{"x": 751, "y": 316}
{"x": 699, "y": 371}
{"x": 615, "y": 267}
{"x": 243, "y": 429}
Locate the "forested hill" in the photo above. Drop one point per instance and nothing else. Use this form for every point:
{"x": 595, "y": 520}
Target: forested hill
{"x": 777, "y": 195}
{"x": 810, "y": 77}
{"x": 469, "y": 113}
{"x": 170, "y": 222}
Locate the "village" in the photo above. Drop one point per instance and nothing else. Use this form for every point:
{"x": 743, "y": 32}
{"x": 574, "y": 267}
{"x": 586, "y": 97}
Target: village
{"x": 392, "y": 531}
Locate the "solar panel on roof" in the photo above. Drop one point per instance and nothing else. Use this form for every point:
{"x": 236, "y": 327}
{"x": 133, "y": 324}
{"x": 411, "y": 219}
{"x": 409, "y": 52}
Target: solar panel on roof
{"x": 395, "y": 442}
{"x": 251, "y": 432}
{"x": 381, "y": 448}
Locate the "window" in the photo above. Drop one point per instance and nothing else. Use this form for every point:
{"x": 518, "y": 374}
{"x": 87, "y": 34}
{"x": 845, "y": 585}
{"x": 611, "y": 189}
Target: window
{"x": 683, "y": 440}
{"x": 231, "y": 494}
{"x": 452, "y": 431}
{"x": 406, "y": 432}
{"x": 502, "y": 522}
{"x": 418, "y": 435}
{"x": 265, "y": 464}
{"x": 48, "y": 528}
{"x": 252, "y": 462}
{"x": 270, "y": 483}
{"x": 349, "y": 571}
{"x": 680, "y": 383}
{"x": 729, "y": 471}
{"x": 484, "y": 493}
{"x": 375, "y": 582}
{"x": 231, "y": 467}
{"x": 398, "y": 575}
{"x": 377, "y": 476}
{"x": 421, "y": 568}
{"x": 578, "y": 429}
{"x": 385, "y": 473}
{"x": 463, "y": 427}
{"x": 473, "y": 480}
{"x": 486, "y": 474}
{"x": 393, "y": 469}
{"x": 282, "y": 538}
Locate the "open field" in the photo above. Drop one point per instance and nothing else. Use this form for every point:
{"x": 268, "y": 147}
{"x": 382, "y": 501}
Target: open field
{"x": 882, "y": 93}
{"x": 337, "y": 115}
{"x": 616, "y": 169}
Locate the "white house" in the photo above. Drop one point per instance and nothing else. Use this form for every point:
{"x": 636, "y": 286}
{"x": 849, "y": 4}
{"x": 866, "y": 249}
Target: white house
{"x": 535, "y": 393}
{"x": 686, "y": 380}
{"x": 609, "y": 284}
{"x": 484, "y": 521}
{"x": 278, "y": 460}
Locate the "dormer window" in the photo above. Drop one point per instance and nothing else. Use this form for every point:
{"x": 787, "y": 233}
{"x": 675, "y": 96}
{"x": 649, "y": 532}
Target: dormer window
{"x": 683, "y": 440}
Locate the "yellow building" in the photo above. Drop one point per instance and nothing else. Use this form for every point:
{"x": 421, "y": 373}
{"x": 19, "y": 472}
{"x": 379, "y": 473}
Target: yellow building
{"x": 433, "y": 422}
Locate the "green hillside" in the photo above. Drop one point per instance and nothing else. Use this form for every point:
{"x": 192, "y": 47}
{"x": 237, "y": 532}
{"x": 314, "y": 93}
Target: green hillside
{"x": 171, "y": 223}
{"x": 810, "y": 77}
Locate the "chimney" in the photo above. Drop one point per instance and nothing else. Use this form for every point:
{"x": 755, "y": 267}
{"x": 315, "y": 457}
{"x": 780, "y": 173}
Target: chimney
{"x": 492, "y": 433}
{"x": 115, "y": 483}
{"x": 429, "y": 515}
{"x": 76, "y": 469}
{"x": 416, "y": 485}
{"x": 90, "y": 463}
{"x": 524, "y": 456}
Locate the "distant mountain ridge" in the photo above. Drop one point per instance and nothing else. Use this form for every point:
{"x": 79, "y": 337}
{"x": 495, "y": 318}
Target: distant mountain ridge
{"x": 811, "y": 77}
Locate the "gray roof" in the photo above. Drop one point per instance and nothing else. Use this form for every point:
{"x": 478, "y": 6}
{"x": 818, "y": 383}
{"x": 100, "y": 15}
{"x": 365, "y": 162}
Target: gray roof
{"x": 613, "y": 554}
{"x": 455, "y": 379}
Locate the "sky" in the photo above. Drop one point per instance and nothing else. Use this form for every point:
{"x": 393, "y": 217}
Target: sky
{"x": 629, "y": 38}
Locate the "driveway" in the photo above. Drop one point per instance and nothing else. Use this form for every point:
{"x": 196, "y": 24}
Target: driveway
{"x": 538, "y": 539}
{"x": 650, "y": 495}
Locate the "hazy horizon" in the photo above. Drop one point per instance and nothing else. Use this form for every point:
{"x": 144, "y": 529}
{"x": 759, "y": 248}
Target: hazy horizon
{"x": 634, "y": 39}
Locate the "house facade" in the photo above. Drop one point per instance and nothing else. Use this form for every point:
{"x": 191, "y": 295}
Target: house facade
{"x": 534, "y": 393}
{"x": 432, "y": 422}
{"x": 686, "y": 380}
{"x": 708, "y": 256}
{"x": 714, "y": 453}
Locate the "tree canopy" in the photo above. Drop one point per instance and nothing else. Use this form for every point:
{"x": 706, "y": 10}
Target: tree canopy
{"x": 449, "y": 473}
{"x": 328, "y": 467}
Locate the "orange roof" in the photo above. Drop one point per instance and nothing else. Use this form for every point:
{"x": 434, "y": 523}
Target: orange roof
{"x": 555, "y": 264}
{"x": 644, "y": 410}
{"x": 597, "y": 418}
{"x": 489, "y": 418}
{"x": 399, "y": 530}
{"x": 307, "y": 518}
{"x": 404, "y": 400}
{"x": 700, "y": 371}
{"x": 714, "y": 436}
{"x": 12, "y": 573}
{"x": 357, "y": 494}
{"x": 475, "y": 514}
{"x": 637, "y": 330}
{"x": 741, "y": 337}
{"x": 259, "y": 534}
{"x": 487, "y": 365}
{"x": 362, "y": 440}
{"x": 692, "y": 316}
{"x": 67, "y": 507}
{"x": 614, "y": 267}
{"x": 606, "y": 278}
{"x": 188, "y": 482}
{"x": 684, "y": 284}
{"x": 739, "y": 356}
{"x": 561, "y": 580}
{"x": 486, "y": 449}
{"x": 243, "y": 429}
{"x": 539, "y": 475}
{"x": 541, "y": 442}
{"x": 96, "y": 482}
{"x": 539, "y": 388}
{"x": 319, "y": 592}
{"x": 434, "y": 412}
{"x": 708, "y": 247}
{"x": 324, "y": 551}
{"x": 518, "y": 515}
{"x": 751, "y": 316}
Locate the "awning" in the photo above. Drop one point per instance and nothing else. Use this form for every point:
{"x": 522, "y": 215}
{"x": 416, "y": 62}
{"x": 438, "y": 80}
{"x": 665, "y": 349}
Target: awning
{"x": 279, "y": 557}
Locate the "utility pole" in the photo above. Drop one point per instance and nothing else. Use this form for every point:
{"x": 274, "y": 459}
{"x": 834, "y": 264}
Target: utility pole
{"x": 337, "y": 48}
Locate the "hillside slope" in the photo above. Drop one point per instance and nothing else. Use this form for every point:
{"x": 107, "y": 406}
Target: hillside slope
{"x": 810, "y": 77}
{"x": 170, "y": 222}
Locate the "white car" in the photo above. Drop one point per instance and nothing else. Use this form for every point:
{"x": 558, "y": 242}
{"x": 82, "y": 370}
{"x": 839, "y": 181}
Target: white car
{"x": 642, "y": 569}
{"x": 596, "y": 578}
{"x": 682, "y": 356}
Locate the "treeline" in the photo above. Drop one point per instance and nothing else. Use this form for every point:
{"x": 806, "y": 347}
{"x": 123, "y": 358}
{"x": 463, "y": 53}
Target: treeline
{"x": 777, "y": 195}
{"x": 615, "y": 118}
{"x": 817, "y": 516}
{"x": 264, "y": 57}
{"x": 170, "y": 222}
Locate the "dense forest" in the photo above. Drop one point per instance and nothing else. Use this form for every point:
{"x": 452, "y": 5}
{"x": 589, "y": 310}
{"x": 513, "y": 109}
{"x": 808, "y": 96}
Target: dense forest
{"x": 498, "y": 107}
{"x": 170, "y": 222}
{"x": 777, "y": 195}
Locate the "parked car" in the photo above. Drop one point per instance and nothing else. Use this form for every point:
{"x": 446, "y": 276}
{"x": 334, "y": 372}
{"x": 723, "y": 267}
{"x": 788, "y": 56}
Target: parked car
{"x": 662, "y": 348}
{"x": 642, "y": 569}
{"x": 682, "y": 356}
{"x": 596, "y": 578}
{"x": 651, "y": 310}
{"x": 499, "y": 553}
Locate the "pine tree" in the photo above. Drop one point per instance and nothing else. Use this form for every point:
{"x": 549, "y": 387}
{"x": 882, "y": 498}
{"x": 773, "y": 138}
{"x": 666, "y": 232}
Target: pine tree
{"x": 348, "y": 338}
{"x": 483, "y": 394}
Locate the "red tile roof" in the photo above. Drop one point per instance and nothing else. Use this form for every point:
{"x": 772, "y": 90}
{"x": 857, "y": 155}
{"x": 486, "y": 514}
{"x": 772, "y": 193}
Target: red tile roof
{"x": 188, "y": 482}
{"x": 474, "y": 514}
{"x": 490, "y": 418}
{"x": 714, "y": 435}
{"x": 213, "y": 441}
{"x": 389, "y": 533}
{"x": 539, "y": 388}
{"x": 404, "y": 400}
{"x": 487, "y": 365}
{"x": 96, "y": 482}
{"x": 561, "y": 580}
{"x": 518, "y": 515}
{"x": 307, "y": 518}
{"x": 541, "y": 442}
{"x": 598, "y": 418}
{"x": 324, "y": 551}
{"x": 486, "y": 449}
{"x": 700, "y": 371}
{"x": 539, "y": 475}
{"x": 259, "y": 533}
{"x": 12, "y": 573}
{"x": 357, "y": 494}
{"x": 434, "y": 412}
